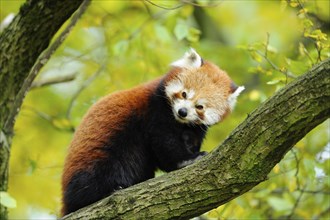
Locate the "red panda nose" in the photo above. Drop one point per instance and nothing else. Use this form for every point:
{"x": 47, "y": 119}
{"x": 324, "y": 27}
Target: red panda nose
{"x": 183, "y": 112}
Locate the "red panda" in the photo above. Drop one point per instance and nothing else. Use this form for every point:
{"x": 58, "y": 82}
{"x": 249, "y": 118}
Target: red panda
{"x": 127, "y": 135}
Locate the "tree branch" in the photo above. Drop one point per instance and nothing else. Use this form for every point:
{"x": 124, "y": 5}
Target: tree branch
{"x": 53, "y": 80}
{"x": 241, "y": 162}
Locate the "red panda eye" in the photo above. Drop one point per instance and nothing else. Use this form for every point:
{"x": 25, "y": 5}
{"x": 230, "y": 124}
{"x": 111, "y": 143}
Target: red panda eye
{"x": 199, "y": 107}
{"x": 184, "y": 95}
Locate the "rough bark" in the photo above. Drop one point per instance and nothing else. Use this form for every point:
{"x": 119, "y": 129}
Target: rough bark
{"x": 21, "y": 43}
{"x": 241, "y": 162}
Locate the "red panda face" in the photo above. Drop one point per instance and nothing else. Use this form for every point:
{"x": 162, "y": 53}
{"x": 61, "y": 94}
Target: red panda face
{"x": 199, "y": 92}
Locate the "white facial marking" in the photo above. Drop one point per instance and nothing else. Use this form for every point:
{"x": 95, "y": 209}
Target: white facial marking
{"x": 191, "y": 59}
{"x": 211, "y": 116}
{"x": 233, "y": 97}
{"x": 190, "y": 94}
{"x": 201, "y": 102}
{"x": 173, "y": 87}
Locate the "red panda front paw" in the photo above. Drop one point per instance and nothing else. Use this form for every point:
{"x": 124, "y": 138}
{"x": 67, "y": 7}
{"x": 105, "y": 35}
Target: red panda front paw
{"x": 191, "y": 161}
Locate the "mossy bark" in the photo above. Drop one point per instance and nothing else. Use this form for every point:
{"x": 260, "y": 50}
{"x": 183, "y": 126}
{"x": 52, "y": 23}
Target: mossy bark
{"x": 21, "y": 43}
{"x": 241, "y": 162}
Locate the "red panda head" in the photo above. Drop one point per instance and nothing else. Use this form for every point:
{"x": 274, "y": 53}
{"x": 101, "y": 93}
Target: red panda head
{"x": 200, "y": 92}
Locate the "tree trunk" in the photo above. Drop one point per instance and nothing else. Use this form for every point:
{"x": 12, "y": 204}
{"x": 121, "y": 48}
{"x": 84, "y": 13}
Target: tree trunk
{"x": 21, "y": 43}
{"x": 241, "y": 162}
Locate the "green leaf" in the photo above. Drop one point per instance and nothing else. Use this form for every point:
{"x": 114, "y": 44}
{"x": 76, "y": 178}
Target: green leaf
{"x": 186, "y": 11}
{"x": 297, "y": 67}
{"x": 181, "y": 29}
{"x": 193, "y": 35}
{"x": 294, "y": 3}
{"x": 316, "y": 34}
{"x": 256, "y": 56}
{"x": 243, "y": 47}
{"x": 162, "y": 33}
{"x": 120, "y": 47}
{"x": 32, "y": 166}
{"x": 307, "y": 23}
{"x": 309, "y": 166}
{"x": 273, "y": 82}
{"x": 6, "y": 200}
{"x": 271, "y": 49}
{"x": 279, "y": 204}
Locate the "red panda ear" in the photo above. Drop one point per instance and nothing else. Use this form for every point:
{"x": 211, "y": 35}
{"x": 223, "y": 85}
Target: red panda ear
{"x": 191, "y": 59}
{"x": 235, "y": 91}
{"x": 233, "y": 87}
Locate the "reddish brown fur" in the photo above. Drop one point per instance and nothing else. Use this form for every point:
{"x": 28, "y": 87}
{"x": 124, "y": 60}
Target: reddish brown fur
{"x": 106, "y": 115}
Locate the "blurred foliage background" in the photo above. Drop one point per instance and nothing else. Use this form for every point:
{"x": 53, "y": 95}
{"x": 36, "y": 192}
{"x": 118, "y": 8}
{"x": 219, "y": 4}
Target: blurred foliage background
{"x": 118, "y": 44}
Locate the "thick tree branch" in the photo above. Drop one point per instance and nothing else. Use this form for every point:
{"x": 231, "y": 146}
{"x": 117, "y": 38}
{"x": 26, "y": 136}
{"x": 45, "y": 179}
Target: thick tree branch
{"x": 241, "y": 162}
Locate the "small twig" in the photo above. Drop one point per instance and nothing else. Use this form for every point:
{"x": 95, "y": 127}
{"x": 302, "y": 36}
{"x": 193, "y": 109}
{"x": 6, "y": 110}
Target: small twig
{"x": 314, "y": 192}
{"x": 319, "y": 50}
{"x": 295, "y": 205}
{"x": 202, "y": 6}
{"x": 302, "y": 7}
{"x": 307, "y": 54}
{"x": 163, "y": 7}
{"x": 40, "y": 114}
{"x": 297, "y": 168}
{"x": 54, "y": 80}
{"x": 286, "y": 72}
{"x": 266, "y": 46}
{"x": 83, "y": 86}
{"x": 284, "y": 190}
{"x": 147, "y": 8}
{"x": 323, "y": 213}
{"x": 145, "y": 23}
{"x": 280, "y": 173}
{"x": 42, "y": 60}
{"x": 49, "y": 119}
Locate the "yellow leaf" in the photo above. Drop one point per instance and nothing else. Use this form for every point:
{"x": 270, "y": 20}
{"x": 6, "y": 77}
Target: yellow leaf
{"x": 254, "y": 95}
{"x": 62, "y": 123}
{"x": 302, "y": 11}
{"x": 284, "y": 4}
{"x": 276, "y": 169}
{"x": 213, "y": 214}
{"x": 256, "y": 56}
{"x": 292, "y": 185}
{"x": 294, "y": 4}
